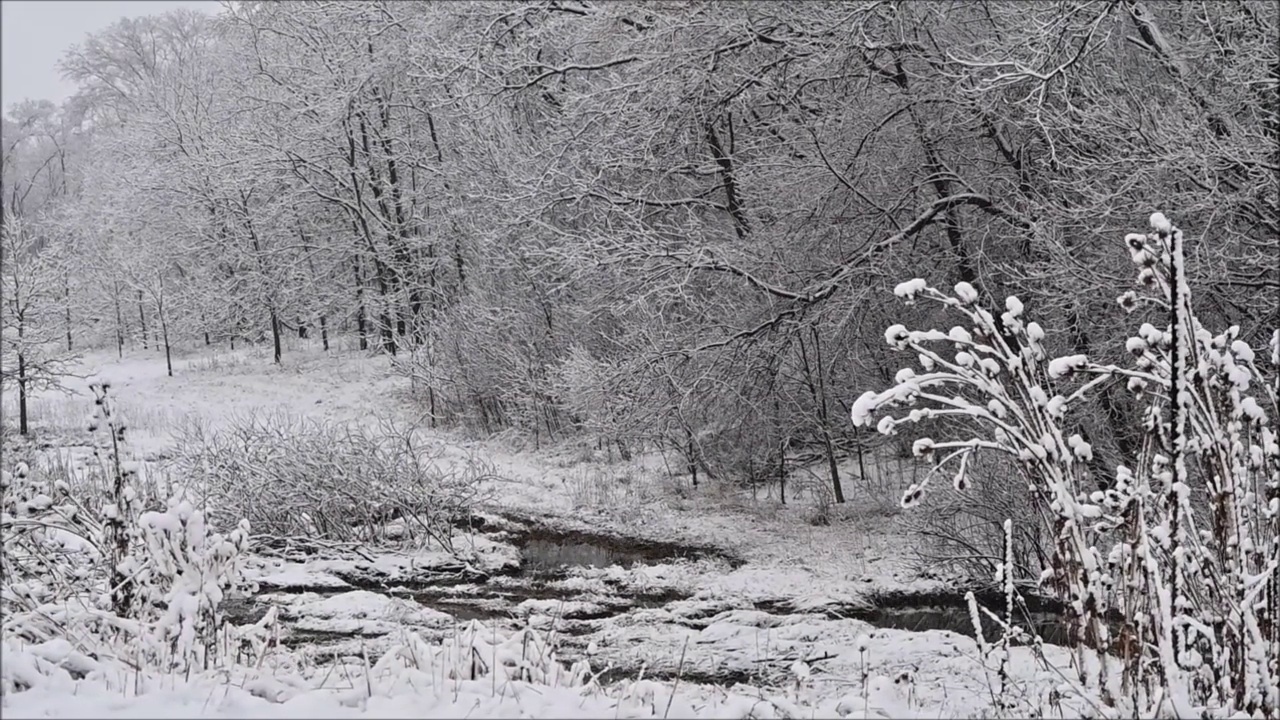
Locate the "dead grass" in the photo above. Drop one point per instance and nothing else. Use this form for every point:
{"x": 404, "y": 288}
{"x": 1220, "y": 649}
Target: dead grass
{"x": 617, "y": 488}
{"x": 218, "y": 362}
{"x": 63, "y": 415}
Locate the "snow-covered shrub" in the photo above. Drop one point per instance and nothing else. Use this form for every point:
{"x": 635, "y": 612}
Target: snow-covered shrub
{"x": 178, "y": 572}
{"x": 62, "y": 515}
{"x": 82, "y": 560}
{"x": 55, "y": 531}
{"x": 51, "y": 544}
{"x": 182, "y": 571}
{"x": 596, "y": 396}
{"x": 1189, "y": 530}
{"x": 489, "y": 367}
{"x": 293, "y": 476}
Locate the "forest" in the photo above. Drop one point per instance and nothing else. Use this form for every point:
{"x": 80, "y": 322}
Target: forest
{"x": 707, "y": 235}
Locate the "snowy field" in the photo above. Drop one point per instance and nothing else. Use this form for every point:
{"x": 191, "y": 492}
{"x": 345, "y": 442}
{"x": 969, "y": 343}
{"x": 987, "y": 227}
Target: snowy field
{"x": 559, "y": 358}
{"x": 588, "y": 587}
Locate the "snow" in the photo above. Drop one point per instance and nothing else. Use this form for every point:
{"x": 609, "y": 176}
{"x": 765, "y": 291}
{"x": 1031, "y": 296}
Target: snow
{"x": 1059, "y": 367}
{"x": 206, "y": 697}
{"x": 363, "y": 604}
{"x": 812, "y": 666}
{"x": 910, "y": 289}
{"x": 896, "y": 336}
{"x": 966, "y": 293}
{"x": 1160, "y": 223}
{"x": 946, "y": 669}
{"x": 862, "y": 409}
{"x": 814, "y": 572}
{"x": 1242, "y": 351}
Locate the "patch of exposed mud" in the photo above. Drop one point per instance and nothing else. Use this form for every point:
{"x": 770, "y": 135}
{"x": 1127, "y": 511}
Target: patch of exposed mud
{"x": 546, "y": 549}
{"x": 919, "y": 612}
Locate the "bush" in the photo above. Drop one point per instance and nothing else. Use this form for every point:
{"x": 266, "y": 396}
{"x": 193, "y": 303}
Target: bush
{"x": 964, "y": 530}
{"x": 293, "y": 476}
{"x": 81, "y": 562}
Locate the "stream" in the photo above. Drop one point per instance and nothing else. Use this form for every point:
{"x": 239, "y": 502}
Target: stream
{"x": 546, "y": 582}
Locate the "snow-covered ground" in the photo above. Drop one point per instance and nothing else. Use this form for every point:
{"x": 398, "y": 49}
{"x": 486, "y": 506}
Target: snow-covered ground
{"x": 763, "y": 611}
{"x": 863, "y": 552}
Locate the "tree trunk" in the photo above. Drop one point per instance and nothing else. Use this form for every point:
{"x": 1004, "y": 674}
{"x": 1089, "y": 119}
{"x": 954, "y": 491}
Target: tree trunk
{"x": 382, "y": 274}
{"x": 142, "y": 318}
{"x": 826, "y": 424}
{"x": 22, "y": 368}
{"x": 403, "y": 254}
{"x": 816, "y": 389}
{"x": 693, "y": 463}
{"x": 388, "y": 332}
{"x": 461, "y": 264}
{"x": 164, "y": 328}
{"x": 119, "y": 324}
{"x": 168, "y": 355}
{"x": 832, "y": 466}
{"x": 311, "y": 266}
{"x": 939, "y": 174}
{"x": 724, "y": 159}
{"x": 275, "y": 334}
{"x": 782, "y": 470}
{"x": 389, "y": 278}
{"x": 67, "y": 310}
{"x": 361, "y": 330}
{"x": 862, "y": 466}
{"x": 262, "y": 266}
{"x": 22, "y": 390}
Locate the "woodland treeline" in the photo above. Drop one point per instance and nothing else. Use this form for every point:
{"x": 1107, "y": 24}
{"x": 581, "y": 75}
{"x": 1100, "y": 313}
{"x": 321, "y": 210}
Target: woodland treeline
{"x": 669, "y": 224}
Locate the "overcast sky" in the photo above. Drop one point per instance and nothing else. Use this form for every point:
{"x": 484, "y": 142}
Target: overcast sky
{"x": 37, "y": 32}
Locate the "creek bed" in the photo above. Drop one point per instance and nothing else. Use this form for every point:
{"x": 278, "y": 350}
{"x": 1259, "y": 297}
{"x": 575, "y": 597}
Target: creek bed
{"x": 545, "y": 588}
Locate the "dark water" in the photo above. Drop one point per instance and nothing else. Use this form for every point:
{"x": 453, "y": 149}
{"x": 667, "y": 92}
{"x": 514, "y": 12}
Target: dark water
{"x": 550, "y": 552}
{"x": 947, "y": 611}
{"x": 547, "y": 555}
{"x": 551, "y": 556}
{"x": 1049, "y": 626}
